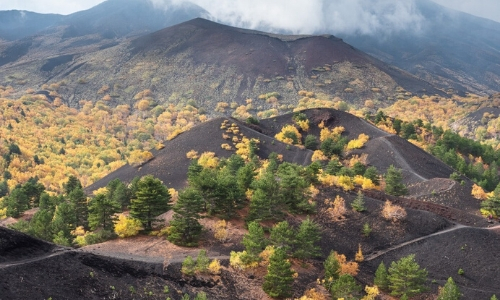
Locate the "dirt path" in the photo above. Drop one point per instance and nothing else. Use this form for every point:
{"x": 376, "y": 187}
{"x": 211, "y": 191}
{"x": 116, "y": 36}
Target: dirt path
{"x": 376, "y": 128}
{"x": 56, "y": 252}
{"x": 374, "y": 255}
{"x": 452, "y": 185}
{"x": 403, "y": 164}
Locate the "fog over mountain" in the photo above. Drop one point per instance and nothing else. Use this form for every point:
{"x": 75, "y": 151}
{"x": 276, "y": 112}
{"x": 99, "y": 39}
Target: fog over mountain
{"x": 339, "y": 17}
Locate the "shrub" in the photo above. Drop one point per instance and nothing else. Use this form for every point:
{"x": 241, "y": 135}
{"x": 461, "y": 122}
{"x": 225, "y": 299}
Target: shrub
{"x": 126, "y": 226}
{"x": 310, "y": 142}
{"x": 289, "y": 134}
{"x": 359, "y": 255}
{"x": 393, "y": 212}
{"x": 208, "y": 160}
{"x": 221, "y": 232}
{"x": 139, "y": 157}
{"x": 366, "y": 229}
{"x": 358, "y": 143}
{"x": 214, "y": 267}
{"x": 338, "y": 209}
{"x": 192, "y": 154}
{"x": 188, "y": 266}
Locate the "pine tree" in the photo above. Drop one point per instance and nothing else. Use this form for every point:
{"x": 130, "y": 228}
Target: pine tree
{"x": 279, "y": 278}
{"x": 17, "y": 203}
{"x": 33, "y": 189}
{"x": 306, "y": 238}
{"x": 372, "y": 174}
{"x": 64, "y": 220}
{"x": 293, "y": 187}
{"x": 79, "y": 200}
{"x": 184, "y": 227}
{"x": 394, "y": 182}
{"x": 359, "y": 202}
{"x": 406, "y": 277}
{"x": 254, "y": 241}
{"x": 188, "y": 266}
{"x": 202, "y": 261}
{"x": 72, "y": 184}
{"x": 121, "y": 195}
{"x": 381, "y": 279}
{"x": 267, "y": 202}
{"x": 494, "y": 297}
{"x": 151, "y": 200}
{"x": 449, "y": 291}
{"x": 227, "y": 194}
{"x": 282, "y": 236}
{"x": 333, "y": 167}
{"x": 492, "y": 204}
{"x": 345, "y": 287}
{"x": 332, "y": 267}
{"x": 40, "y": 224}
{"x": 102, "y": 211}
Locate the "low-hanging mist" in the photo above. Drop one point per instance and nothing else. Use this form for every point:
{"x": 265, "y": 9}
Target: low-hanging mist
{"x": 340, "y": 17}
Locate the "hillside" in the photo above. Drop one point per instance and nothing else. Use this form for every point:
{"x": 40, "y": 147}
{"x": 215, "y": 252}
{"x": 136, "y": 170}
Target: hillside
{"x": 209, "y": 62}
{"x": 452, "y": 50}
{"x": 436, "y": 209}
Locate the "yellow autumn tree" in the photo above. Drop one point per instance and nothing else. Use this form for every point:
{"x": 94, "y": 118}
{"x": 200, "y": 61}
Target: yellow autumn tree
{"x": 208, "y": 160}
{"x": 347, "y": 267}
{"x": 359, "y": 255}
{"x": 139, "y": 157}
{"x": 478, "y": 192}
{"x": 358, "y": 143}
{"x": 127, "y": 226}
{"x": 289, "y": 134}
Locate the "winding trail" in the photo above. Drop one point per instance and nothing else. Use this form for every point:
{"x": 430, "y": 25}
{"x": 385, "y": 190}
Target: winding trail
{"x": 55, "y": 252}
{"x": 452, "y": 185}
{"x": 376, "y": 254}
{"x": 403, "y": 164}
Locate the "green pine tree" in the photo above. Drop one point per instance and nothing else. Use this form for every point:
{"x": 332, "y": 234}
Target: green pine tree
{"x": 254, "y": 241}
{"x": 406, "y": 277}
{"x": 394, "y": 182}
{"x": 494, "y": 297}
{"x": 17, "y": 203}
{"x": 79, "y": 200}
{"x": 333, "y": 167}
{"x": 63, "y": 221}
{"x": 188, "y": 266}
{"x": 306, "y": 238}
{"x": 381, "y": 279}
{"x": 345, "y": 287}
{"x": 72, "y": 184}
{"x": 184, "y": 227}
{"x": 202, "y": 261}
{"x": 151, "y": 200}
{"x": 279, "y": 278}
{"x": 40, "y": 224}
{"x": 283, "y": 236}
{"x": 102, "y": 212}
{"x": 449, "y": 291}
{"x": 267, "y": 202}
{"x": 372, "y": 173}
{"x": 332, "y": 267}
{"x": 358, "y": 204}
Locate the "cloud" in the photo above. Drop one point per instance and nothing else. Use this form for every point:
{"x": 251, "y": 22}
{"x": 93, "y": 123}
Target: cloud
{"x": 339, "y": 17}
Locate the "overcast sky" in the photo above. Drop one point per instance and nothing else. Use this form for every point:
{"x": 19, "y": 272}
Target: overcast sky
{"x": 484, "y": 8}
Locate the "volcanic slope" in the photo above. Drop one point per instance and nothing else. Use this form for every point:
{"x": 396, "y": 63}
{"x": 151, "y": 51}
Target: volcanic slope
{"x": 474, "y": 250}
{"x": 170, "y": 164}
{"x": 426, "y": 176}
{"x": 211, "y": 63}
